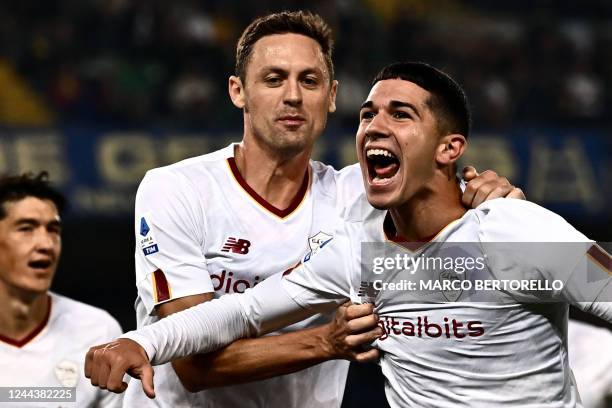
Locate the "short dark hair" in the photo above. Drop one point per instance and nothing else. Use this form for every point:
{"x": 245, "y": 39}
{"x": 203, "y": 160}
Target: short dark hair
{"x": 297, "y": 22}
{"x": 15, "y": 188}
{"x": 448, "y": 101}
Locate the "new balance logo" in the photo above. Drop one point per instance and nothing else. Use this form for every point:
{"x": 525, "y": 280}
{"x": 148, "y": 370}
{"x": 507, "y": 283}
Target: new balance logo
{"x": 367, "y": 290}
{"x": 237, "y": 246}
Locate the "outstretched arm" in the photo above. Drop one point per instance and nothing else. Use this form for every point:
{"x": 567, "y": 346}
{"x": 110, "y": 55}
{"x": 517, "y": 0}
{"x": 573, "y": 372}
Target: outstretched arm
{"x": 269, "y": 356}
{"x": 200, "y": 329}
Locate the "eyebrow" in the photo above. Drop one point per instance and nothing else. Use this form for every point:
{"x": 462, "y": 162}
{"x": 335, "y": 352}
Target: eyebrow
{"x": 281, "y": 70}
{"x": 34, "y": 221}
{"x": 394, "y": 104}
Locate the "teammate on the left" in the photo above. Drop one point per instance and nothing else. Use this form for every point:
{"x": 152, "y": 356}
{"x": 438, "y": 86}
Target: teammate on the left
{"x": 43, "y": 336}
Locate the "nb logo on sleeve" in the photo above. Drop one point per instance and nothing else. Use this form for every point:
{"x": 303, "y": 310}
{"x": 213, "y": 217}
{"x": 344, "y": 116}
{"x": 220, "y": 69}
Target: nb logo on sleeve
{"x": 237, "y": 246}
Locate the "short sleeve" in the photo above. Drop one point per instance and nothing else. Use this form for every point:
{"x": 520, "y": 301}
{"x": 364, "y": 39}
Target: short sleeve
{"x": 525, "y": 242}
{"x": 170, "y": 232}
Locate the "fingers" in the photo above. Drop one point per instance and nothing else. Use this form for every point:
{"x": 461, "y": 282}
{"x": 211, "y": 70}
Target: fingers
{"x": 517, "y": 193}
{"x": 107, "y": 364}
{"x": 115, "y": 381}
{"x": 469, "y": 173}
{"x": 491, "y": 190}
{"x": 363, "y": 338}
{"x": 487, "y": 186}
{"x": 146, "y": 379}
{"x": 372, "y": 355}
{"x": 473, "y": 187}
{"x": 102, "y": 372}
{"x": 88, "y": 362}
{"x": 362, "y": 324}
{"x": 356, "y": 311}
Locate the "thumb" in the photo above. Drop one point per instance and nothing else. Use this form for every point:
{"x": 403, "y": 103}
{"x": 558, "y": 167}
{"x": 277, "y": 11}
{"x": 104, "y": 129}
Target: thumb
{"x": 146, "y": 379}
{"x": 469, "y": 173}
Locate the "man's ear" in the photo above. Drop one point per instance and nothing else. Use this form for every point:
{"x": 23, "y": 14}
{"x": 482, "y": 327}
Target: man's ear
{"x": 236, "y": 91}
{"x": 332, "y": 96}
{"x": 450, "y": 149}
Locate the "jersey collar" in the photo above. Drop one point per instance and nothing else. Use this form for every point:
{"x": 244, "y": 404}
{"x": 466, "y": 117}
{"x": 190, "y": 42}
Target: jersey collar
{"x": 25, "y": 340}
{"x": 295, "y": 202}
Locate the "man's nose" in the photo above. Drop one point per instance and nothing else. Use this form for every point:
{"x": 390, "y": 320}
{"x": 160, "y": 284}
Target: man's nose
{"x": 293, "y": 93}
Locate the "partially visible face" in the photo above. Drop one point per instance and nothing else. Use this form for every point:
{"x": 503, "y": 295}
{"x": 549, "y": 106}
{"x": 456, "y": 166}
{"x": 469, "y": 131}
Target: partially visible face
{"x": 396, "y": 142}
{"x": 287, "y": 94}
{"x": 30, "y": 244}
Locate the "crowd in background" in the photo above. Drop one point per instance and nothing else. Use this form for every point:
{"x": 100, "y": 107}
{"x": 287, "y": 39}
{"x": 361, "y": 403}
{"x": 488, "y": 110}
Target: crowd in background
{"x": 137, "y": 61}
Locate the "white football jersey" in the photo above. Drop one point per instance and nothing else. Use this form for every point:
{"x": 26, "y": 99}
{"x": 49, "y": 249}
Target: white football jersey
{"x": 53, "y": 355}
{"x": 200, "y": 228}
{"x": 454, "y": 348}
{"x": 590, "y": 356}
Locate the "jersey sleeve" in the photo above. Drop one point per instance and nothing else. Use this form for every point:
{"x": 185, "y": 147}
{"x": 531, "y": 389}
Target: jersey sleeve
{"x": 170, "y": 231}
{"x": 211, "y": 325}
{"x": 326, "y": 276}
{"x": 525, "y": 242}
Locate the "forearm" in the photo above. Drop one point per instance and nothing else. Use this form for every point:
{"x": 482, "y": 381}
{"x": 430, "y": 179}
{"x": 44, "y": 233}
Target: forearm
{"x": 255, "y": 359}
{"x": 199, "y": 329}
{"x": 216, "y": 323}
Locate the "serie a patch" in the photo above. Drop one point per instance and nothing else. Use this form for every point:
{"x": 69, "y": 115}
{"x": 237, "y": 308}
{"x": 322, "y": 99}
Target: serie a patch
{"x": 147, "y": 238}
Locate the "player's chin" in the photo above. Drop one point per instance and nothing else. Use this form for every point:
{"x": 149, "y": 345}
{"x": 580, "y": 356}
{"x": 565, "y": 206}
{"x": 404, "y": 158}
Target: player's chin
{"x": 381, "y": 200}
{"x": 384, "y": 193}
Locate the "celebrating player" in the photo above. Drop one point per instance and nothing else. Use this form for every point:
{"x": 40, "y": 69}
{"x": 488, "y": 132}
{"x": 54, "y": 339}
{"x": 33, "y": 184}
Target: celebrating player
{"x": 42, "y": 335}
{"x": 413, "y": 128}
{"x": 225, "y": 221}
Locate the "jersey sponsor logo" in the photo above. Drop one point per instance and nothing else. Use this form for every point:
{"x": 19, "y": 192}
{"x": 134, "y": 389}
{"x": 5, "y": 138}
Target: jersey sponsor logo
{"x": 237, "y": 246}
{"x": 449, "y": 328}
{"x": 147, "y": 241}
{"x": 150, "y": 249}
{"x": 316, "y": 242}
{"x": 67, "y": 372}
{"x": 144, "y": 227}
{"x": 227, "y": 283}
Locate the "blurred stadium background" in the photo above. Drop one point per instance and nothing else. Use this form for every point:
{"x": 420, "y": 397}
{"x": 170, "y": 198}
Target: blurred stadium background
{"x": 98, "y": 91}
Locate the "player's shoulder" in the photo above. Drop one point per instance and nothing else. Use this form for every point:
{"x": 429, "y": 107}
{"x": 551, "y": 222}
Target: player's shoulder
{"x": 183, "y": 173}
{"x": 350, "y": 173}
{"x": 197, "y": 163}
{"x": 82, "y": 317}
{"x": 345, "y": 185}
{"x": 508, "y": 220}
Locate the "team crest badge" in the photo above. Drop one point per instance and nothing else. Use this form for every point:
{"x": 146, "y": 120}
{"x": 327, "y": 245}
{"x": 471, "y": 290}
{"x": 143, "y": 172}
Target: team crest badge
{"x": 67, "y": 372}
{"x": 450, "y": 294}
{"x": 316, "y": 242}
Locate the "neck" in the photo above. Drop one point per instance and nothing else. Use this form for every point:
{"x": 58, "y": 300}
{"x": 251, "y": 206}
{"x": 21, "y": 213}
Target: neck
{"x": 275, "y": 178}
{"x": 21, "y": 313}
{"x": 428, "y": 211}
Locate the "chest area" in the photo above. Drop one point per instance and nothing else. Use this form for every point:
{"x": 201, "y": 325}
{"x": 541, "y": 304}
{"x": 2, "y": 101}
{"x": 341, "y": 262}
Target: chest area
{"x": 243, "y": 249}
{"x": 49, "y": 361}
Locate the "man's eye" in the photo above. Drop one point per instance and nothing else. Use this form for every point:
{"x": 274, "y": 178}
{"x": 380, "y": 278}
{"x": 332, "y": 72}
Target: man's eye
{"x": 25, "y": 229}
{"x": 401, "y": 115}
{"x": 308, "y": 81}
{"x": 273, "y": 80}
{"x": 55, "y": 230}
{"x": 367, "y": 115}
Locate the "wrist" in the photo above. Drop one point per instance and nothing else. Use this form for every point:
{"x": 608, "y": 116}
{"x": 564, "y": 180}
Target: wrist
{"x": 324, "y": 338}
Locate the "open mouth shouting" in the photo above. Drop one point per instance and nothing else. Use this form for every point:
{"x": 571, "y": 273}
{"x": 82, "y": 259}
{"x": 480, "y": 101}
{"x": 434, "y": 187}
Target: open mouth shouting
{"x": 40, "y": 265}
{"x": 383, "y": 166}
